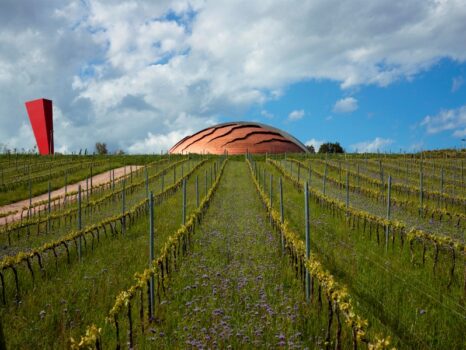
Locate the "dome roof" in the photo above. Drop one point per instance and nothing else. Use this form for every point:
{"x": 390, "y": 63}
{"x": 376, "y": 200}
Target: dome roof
{"x": 239, "y": 138}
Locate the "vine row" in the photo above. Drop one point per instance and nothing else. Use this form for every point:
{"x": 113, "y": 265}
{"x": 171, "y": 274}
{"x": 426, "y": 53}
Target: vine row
{"x": 338, "y": 299}
{"x": 93, "y": 232}
{"x": 169, "y": 259}
{"x": 366, "y": 221}
{"x": 434, "y": 213}
{"x": 71, "y": 213}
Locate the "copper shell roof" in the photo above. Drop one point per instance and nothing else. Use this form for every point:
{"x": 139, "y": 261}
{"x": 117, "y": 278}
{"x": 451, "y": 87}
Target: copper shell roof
{"x": 239, "y": 138}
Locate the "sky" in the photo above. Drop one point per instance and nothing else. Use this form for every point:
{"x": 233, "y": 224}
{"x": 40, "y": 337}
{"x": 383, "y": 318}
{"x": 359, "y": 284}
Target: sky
{"x": 382, "y": 75}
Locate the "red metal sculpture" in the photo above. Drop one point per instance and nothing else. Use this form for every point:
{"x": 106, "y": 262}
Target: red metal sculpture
{"x": 41, "y": 117}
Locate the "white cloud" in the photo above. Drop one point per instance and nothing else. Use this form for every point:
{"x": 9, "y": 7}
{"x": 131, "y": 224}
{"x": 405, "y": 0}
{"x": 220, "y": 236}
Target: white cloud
{"x": 267, "y": 114}
{"x": 456, "y": 83}
{"x": 315, "y": 143}
{"x": 155, "y": 143}
{"x": 296, "y": 115}
{"x": 460, "y": 133}
{"x": 117, "y": 70}
{"x": 446, "y": 120}
{"x": 346, "y": 105}
{"x": 377, "y": 144}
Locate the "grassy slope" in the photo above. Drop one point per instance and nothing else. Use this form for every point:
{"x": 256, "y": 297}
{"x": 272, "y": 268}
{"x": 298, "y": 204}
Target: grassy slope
{"x": 110, "y": 208}
{"x": 58, "y": 178}
{"x": 399, "y": 298}
{"x": 66, "y": 301}
{"x": 362, "y": 202}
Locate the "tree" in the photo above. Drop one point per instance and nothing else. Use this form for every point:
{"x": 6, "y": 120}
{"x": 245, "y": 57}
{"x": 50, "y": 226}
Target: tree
{"x": 101, "y": 148}
{"x": 311, "y": 149}
{"x": 330, "y": 147}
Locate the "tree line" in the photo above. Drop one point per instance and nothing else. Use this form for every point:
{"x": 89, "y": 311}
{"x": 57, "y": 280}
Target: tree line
{"x": 328, "y": 147}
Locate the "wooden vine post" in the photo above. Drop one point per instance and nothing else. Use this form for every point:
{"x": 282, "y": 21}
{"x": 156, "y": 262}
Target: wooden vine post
{"x": 91, "y": 178}
{"x": 87, "y": 190}
{"x": 421, "y": 190}
{"x": 308, "y": 241}
{"x": 347, "y": 189}
{"x": 310, "y": 174}
{"x": 407, "y": 173}
{"x": 197, "y": 191}
{"x": 147, "y": 180}
{"x": 263, "y": 178}
{"x": 66, "y": 186}
{"x": 184, "y": 203}
{"x": 205, "y": 183}
{"x": 30, "y": 203}
{"x": 271, "y": 197}
{"x": 441, "y": 187}
{"x": 389, "y": 198}
{"x": 462, "y": 173}
{"x": 441, "y": 180}
{"x": 381, "y": 176}
{"x": 151, "y": 254}
{"x": 325, "y": 178}
{"x": 79, "y": 223}
{"x": 358, "y": 175}
{"x": 282, "y": 216}
{"x": 123, "y": 207}
{"x": 339, "y": 172}
{"x": 49, "y": 209}
{"x": 30, "y": 199}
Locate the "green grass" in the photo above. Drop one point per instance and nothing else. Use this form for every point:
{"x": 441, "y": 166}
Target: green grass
{"x": 66, "y": 300}
{"x": 379, "y": 208}
{"x": 407, "y": 301}
{"x": 235, "y": 289}
{"x": 57, "y": 177}
{"x": 20, "y": 239}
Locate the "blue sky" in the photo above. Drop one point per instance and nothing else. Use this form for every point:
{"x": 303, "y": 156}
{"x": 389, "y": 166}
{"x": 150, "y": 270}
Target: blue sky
{"x": 394, "y": 112}
{"x": 372, "y": 75}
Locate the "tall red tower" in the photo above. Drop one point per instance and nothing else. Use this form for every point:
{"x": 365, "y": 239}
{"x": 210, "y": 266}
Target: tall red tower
{"x": 41, "y": 117}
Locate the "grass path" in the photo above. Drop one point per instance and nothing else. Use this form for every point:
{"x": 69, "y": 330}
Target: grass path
{"x": 235, "y": 290}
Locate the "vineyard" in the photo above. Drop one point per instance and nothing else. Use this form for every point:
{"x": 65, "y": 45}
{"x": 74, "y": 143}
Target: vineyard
{"x": 253, "y": 251}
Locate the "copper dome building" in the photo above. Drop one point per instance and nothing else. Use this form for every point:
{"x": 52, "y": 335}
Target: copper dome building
{"x": 239, "y": 138}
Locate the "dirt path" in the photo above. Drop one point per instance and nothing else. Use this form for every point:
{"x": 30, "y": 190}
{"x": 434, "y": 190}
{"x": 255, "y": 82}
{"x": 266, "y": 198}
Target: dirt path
{"x": 96, "y": 180}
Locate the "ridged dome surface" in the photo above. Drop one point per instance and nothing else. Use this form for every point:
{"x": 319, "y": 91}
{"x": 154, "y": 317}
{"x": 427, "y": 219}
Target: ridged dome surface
{"x": 239, "y": 138}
